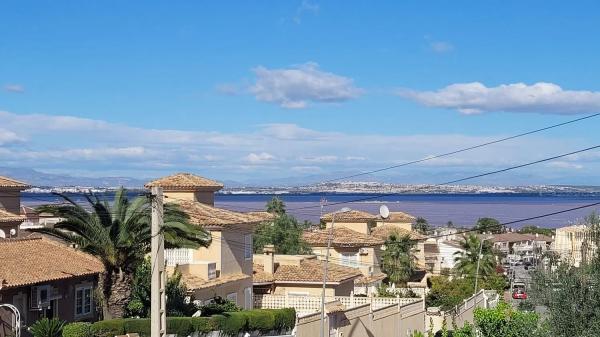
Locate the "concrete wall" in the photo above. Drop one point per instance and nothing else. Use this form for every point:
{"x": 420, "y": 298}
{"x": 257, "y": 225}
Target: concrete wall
{"x": 393, "y": 321}
{"x": 367, "y": 263}
{"x": 225, "y": 289}
{"x": 10, "y": 200}
{"x": 205, "y": 197}
{"x": 361, "y": 227}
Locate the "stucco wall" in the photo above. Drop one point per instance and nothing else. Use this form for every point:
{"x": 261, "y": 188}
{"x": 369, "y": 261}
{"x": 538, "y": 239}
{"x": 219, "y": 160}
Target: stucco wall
{"x": 225, "y": 289}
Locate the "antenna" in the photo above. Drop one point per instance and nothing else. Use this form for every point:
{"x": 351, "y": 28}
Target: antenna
{"x": 384, "y": 211}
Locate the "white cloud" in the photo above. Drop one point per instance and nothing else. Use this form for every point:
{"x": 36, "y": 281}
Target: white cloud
{"x": 305, "y": 7}
{"x": 70, "y": 144}
{"x": 15, "y": 88}
{"x": 259, "y": 158}
{"x": 297, "y": 87}
{"x": 7, "y": 137}
{"x": 541, "y": 97}
{"x": 565, "y": 165}
{"x": 441, "y": 46}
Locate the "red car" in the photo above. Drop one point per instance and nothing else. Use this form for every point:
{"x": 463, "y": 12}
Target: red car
{"x": 519, "y": 295}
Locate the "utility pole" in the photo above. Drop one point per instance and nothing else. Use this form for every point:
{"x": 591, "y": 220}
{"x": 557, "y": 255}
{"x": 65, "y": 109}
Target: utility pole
{"x": 158, "y": 313}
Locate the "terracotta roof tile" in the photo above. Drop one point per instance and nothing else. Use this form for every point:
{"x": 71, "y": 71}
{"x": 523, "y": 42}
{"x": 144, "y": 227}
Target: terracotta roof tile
{"x": 266, "y": 216}
{"x": 6, "y": 216}
{"x": 398, "y": 217}
{"x": 366, "y": 280}
{"x": 350, "y": 216}
{"x": 8, "y": 182}
{"x": 383, "y": 232}
{"x": 308, "y": 270}
{"x": 205, "y": 215}
{"x": 342, "y": 237}
{"x": 35, "y": 260}
{"x": 185, "y": 181}
{"x": 194, "y": 282}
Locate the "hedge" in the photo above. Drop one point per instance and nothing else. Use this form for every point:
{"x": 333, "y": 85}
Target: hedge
{"x": 230, "y": 323}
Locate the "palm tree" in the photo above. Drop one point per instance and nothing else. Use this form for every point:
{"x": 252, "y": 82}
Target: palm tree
{"x": 119, "y": 235}
{"x": 466, "y": 259}
{"x": 398, "y": 259}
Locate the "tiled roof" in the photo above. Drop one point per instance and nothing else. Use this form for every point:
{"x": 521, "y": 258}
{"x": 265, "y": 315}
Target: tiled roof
{"x": 8, "y": 182}
{"x": 205, "y": 215}
{"x": 36, "y": 260}
{"x": 334, "y": 306}
{"x": 516, "y": 237}
{"x": 350, "y": 216}
{"x": 342, "y": 237}
{"x": 398, "y": 217}
{"x": 194, "y": 282}
{"x": 366, "y": 280}
{"x": 266, "y": 216}
{"x": 383, "y": 232}
{"x": 185, "y": 181}
{"x": 6, "y": 216}
{"x": 309, "y": 270}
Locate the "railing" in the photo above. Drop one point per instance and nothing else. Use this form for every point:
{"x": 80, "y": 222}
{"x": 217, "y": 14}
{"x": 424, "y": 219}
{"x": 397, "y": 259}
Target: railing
{"x": 310, "y": 304}
{"x": 179, "y": 256}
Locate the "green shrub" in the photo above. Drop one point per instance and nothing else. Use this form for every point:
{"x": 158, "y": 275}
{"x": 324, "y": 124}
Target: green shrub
{"x": 232, "y": 323}
{"x": 261, "y": 320}
{"x": 77, "y": 329}
{"x": 137, "y": 325}
{"x": 47, "y": 328}
{"x": 218, "y": 307}
{"x": 229, "y": 323}
{"x": 109, "y": 328}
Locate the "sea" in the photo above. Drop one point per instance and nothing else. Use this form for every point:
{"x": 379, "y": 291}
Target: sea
{"x": 438, "y": 209}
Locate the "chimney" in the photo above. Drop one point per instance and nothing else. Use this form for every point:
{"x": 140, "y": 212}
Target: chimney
{"x": 269, "y": 260}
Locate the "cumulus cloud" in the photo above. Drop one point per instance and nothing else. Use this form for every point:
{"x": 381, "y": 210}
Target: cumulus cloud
{"x": 15, "y": 88}
{"x": 305, "y": 7}
{"x": 70, "y": 144}
{"x": 441, "y": 46}
{"x": 259, "y": 158}
{"x": 297, "y": 87}
{"x": 7, "y": 137}
{"x": 475, "y": 97}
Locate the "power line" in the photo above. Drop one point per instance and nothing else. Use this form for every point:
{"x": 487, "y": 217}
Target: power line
{"x": 461, "y": 150}
{"x": 458, "y": 180}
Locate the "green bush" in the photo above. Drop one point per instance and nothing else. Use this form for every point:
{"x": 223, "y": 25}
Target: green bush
{"x": 47, "y": 328}
{"x": 230, "y": 323}
{"x": 77, "y": 329}
{"x": 218, "y": 307}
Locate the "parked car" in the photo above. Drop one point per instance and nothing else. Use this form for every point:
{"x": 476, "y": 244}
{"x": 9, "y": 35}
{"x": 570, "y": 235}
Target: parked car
{"x": 519, "y": 294}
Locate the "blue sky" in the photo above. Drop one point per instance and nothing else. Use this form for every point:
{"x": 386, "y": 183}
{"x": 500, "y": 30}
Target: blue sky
{"x": 253, "y": 91}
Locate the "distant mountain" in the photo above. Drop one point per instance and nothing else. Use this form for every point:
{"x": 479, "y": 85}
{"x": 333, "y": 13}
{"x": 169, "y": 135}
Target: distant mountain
{"x": 41, "y": 179}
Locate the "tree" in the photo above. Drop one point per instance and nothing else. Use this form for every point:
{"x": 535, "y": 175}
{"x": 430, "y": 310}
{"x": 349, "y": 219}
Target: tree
{"x": 446, "y": 293}
{"x": 283, "y": 232}
{"x": 119, "y": 235}
{"x": 398, "y": 260}
{"x": 466, "y": 260}
{"x": 488, "y": 225}
{"x": 572, "y": 294}
{"x": 176, "y": 293}
{"x": 422, "y": 226}
{"x": 276, "y": 206}
{"x": 532, "y": 229}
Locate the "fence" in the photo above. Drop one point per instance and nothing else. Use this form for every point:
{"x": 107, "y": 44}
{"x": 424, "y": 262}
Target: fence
{"x": 310, "y": 304}
{"x": 179, "y": 256}
{"x": 394, "y": 320}
{"x": 463, "y": 312}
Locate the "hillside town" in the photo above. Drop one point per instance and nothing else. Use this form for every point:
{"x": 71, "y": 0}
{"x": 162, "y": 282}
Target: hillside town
{"x": 392, "y": 270}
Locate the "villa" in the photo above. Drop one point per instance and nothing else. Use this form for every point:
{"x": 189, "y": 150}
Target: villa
{"x": 10, "y": 207}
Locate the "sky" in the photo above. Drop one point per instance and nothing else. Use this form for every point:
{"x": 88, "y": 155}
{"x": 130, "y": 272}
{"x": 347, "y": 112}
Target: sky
{"x": 273, "y": 90}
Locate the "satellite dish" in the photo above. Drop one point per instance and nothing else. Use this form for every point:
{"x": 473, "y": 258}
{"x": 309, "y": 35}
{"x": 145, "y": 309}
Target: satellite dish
{"x": 384, "y": 211}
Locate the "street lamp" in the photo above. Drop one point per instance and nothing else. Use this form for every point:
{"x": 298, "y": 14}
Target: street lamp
{"x": 478, "y": 260}
{"x": 329, "y": 238}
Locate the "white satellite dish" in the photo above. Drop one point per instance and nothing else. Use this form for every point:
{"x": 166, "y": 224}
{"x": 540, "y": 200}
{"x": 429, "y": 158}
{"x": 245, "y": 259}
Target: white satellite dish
{"x": 384, "y": 211}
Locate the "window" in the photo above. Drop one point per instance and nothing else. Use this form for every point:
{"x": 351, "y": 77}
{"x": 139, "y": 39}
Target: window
{"x": 349, "y": 259}
{"x": 232, "y": 297}
{"x": 83, "y": 300}
{"x": 248, "y": 246}
{"x": 212, "y": 271}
